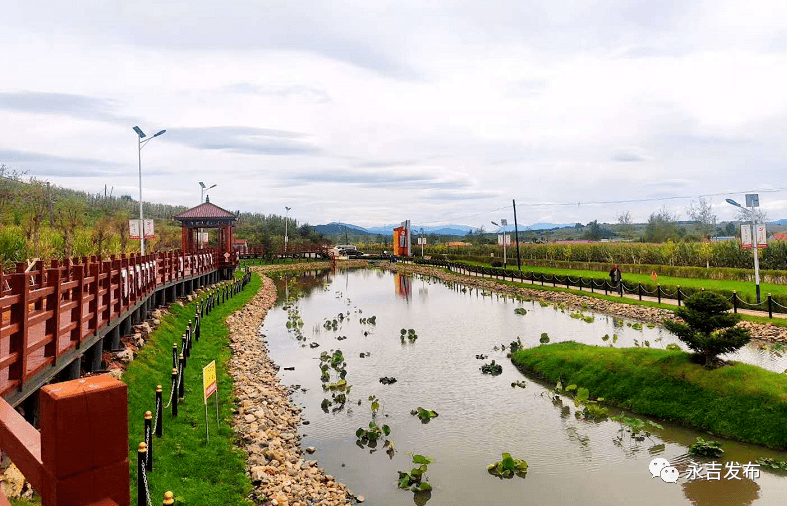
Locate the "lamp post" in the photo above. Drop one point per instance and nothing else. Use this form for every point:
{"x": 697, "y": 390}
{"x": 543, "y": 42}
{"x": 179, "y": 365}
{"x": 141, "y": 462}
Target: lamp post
{"x": 141, "y": 144}
{"x": 286, "y": 219}
{"x": 752, "y": 200}
{"x": 502, "y": 226}
{"x": 203, "y": 189}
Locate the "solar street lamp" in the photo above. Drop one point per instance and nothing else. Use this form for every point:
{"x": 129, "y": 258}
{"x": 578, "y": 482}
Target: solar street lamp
{"x": 141, "y": 144}
{"x": 754, "y": 201}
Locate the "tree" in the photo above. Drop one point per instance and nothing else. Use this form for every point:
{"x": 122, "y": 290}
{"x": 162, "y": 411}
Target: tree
{"x": 36, "y": 203}
{"x": 709, "y": 329}
{"x": 70, "y": 216}
{"x": 626, "y": 224}
{"x": 702, "y": 213}
{"x": 662, "y": 226}
{"x": 760, "y": 214}
{"x": 730, "y": 229}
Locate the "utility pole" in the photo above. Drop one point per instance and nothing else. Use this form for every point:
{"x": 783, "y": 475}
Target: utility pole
{"x": 516, "y": 231}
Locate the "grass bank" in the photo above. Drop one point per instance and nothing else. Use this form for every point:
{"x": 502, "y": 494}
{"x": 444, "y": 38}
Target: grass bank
{"x": 197, "y": 472}
{"x": 738, "y": 401}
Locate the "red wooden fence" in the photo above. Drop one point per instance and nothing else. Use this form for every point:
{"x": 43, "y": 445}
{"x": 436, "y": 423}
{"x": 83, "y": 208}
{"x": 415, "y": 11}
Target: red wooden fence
{"x": 48, "y": 311}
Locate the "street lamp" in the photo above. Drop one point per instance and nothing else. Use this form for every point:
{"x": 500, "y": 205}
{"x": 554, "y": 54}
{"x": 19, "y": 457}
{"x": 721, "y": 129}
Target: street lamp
{"x": 203, "y": 189}
{"x": 286, "y": 215}
{"x": 502, "y": 226}
{"x": 141, "y": 144}
{"x": 752, "y": 200}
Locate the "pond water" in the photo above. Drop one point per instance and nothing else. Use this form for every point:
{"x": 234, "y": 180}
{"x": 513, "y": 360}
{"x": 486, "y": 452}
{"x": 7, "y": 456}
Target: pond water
{"x": 571, "y": 461}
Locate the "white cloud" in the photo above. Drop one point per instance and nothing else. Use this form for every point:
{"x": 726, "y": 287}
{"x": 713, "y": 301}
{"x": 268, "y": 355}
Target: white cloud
{"x": 396, "y": 110}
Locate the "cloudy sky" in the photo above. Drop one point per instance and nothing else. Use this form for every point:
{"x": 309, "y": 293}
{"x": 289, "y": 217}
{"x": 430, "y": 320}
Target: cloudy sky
{"x": 372, "y": 112}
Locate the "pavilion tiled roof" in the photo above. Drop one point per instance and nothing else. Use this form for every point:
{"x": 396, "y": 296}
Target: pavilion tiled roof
{"x": 206, "y": 210}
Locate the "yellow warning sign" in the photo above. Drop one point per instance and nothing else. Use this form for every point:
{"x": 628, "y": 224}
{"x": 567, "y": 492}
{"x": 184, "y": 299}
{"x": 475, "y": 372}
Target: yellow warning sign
{"x": 209, "y": 385}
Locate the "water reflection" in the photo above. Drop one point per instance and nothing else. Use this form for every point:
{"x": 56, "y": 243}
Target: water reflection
{"x": 723, "y": 492}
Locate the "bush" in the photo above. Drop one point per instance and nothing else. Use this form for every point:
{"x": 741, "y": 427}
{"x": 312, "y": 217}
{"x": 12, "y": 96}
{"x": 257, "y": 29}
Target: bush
{"x": 709, "y": 329}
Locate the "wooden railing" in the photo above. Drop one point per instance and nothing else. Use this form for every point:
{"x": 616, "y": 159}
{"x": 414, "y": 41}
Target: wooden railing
{"x": 48, "y": 311}
{"x": 254, "y": 251}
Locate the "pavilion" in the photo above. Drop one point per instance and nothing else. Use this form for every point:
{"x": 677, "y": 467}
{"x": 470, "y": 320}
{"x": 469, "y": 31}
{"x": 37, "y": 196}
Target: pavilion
{"x": 208, "y": 215}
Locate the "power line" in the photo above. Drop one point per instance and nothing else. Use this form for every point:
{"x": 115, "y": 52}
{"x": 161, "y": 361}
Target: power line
{"x": 652, "y": 199}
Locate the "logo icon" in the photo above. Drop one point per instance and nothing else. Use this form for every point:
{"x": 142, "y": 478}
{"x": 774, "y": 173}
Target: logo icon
{"x": 661, "y": 467}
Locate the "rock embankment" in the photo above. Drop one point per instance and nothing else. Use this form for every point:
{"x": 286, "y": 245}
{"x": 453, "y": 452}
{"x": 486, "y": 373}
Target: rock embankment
{"x": 763, "y": 332}
{"x": 266, "y": 421}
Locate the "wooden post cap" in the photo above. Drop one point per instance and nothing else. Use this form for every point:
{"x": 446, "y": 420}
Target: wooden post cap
{"x": 142, "y": 448}
{"x": 158, "y": 388}
{"x": 174, "y": 372}
{"x": 169, "y": 498}
{"x": 148, "y": 415}
{"x": 180, "y": 356}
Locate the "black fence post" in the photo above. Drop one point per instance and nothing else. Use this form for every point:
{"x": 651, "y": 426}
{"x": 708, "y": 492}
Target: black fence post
{"x": 592, "y": 285}
{"x": 174, "y": 354}
{"x": 580, "y": 283}
{"x": 188, "y": 336}
{"x": 142, "y": 491}
{"x": 174, "y": 401}
{"x": 679, "y": 296}
{"x": 658, "y": 292}
{"x": 159, "y": 409}
{"x": 567, "y": 282}
{"x": 606, "y": 288}
{"x": 184, "y": 351}
{"x": 770, "y": 306}
{"x": 196, "y": 327}
{"x": 639, "y": 290}
{"x": 181, "y": 383}
{"x": 149, "y": 440}
{"x": 735, "y": 301}
{"x": 620, "y": 288}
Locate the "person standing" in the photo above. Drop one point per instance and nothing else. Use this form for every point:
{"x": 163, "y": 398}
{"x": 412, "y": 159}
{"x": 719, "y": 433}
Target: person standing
{"x": 615, "y": 275}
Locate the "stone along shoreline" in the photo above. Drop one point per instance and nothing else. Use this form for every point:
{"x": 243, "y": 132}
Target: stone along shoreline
{"x": 266, "y": 420}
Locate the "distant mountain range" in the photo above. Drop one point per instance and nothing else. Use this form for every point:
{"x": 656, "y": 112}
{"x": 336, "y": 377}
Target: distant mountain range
{"x": 460, "y": 230}
{"x": 456, "y": 230}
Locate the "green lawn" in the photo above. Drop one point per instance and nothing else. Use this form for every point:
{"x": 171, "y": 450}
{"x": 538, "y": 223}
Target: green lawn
{"x": 197, "y": 472}
{"x": 739, "y": 401}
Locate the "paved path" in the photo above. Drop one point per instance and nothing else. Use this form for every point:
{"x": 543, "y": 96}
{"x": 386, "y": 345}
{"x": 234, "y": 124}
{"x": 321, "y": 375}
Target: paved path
{"x": 633, "y": 296}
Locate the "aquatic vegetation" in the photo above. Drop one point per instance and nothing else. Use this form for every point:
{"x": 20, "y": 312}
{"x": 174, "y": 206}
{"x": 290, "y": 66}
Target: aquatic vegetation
{"x": 508, "y": 467}
{"x": 492, "y": 368}
{"x": 409, "y": 334}
{"x": 424, "y": 414}
{"x": 372, "y": 320}
{"x": 544, "y": 338}
{"x": 365, "y": 354}
{"x": 772, "y": 463}
{"x": 706, "y": 448}
{"x": 372, "y": 434}
{"x": 374, "y": 404}
{"x": 673, "y": 347}
{"x": 520, "y": 310}
{"x": 515, "y": 345}
{"x": 481, "y": 357}
{"x": 520, "y": 384}
{"x": 637, "y": 427}
{"x": 416, "y": 480}
{"x": 386, "y": 380}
